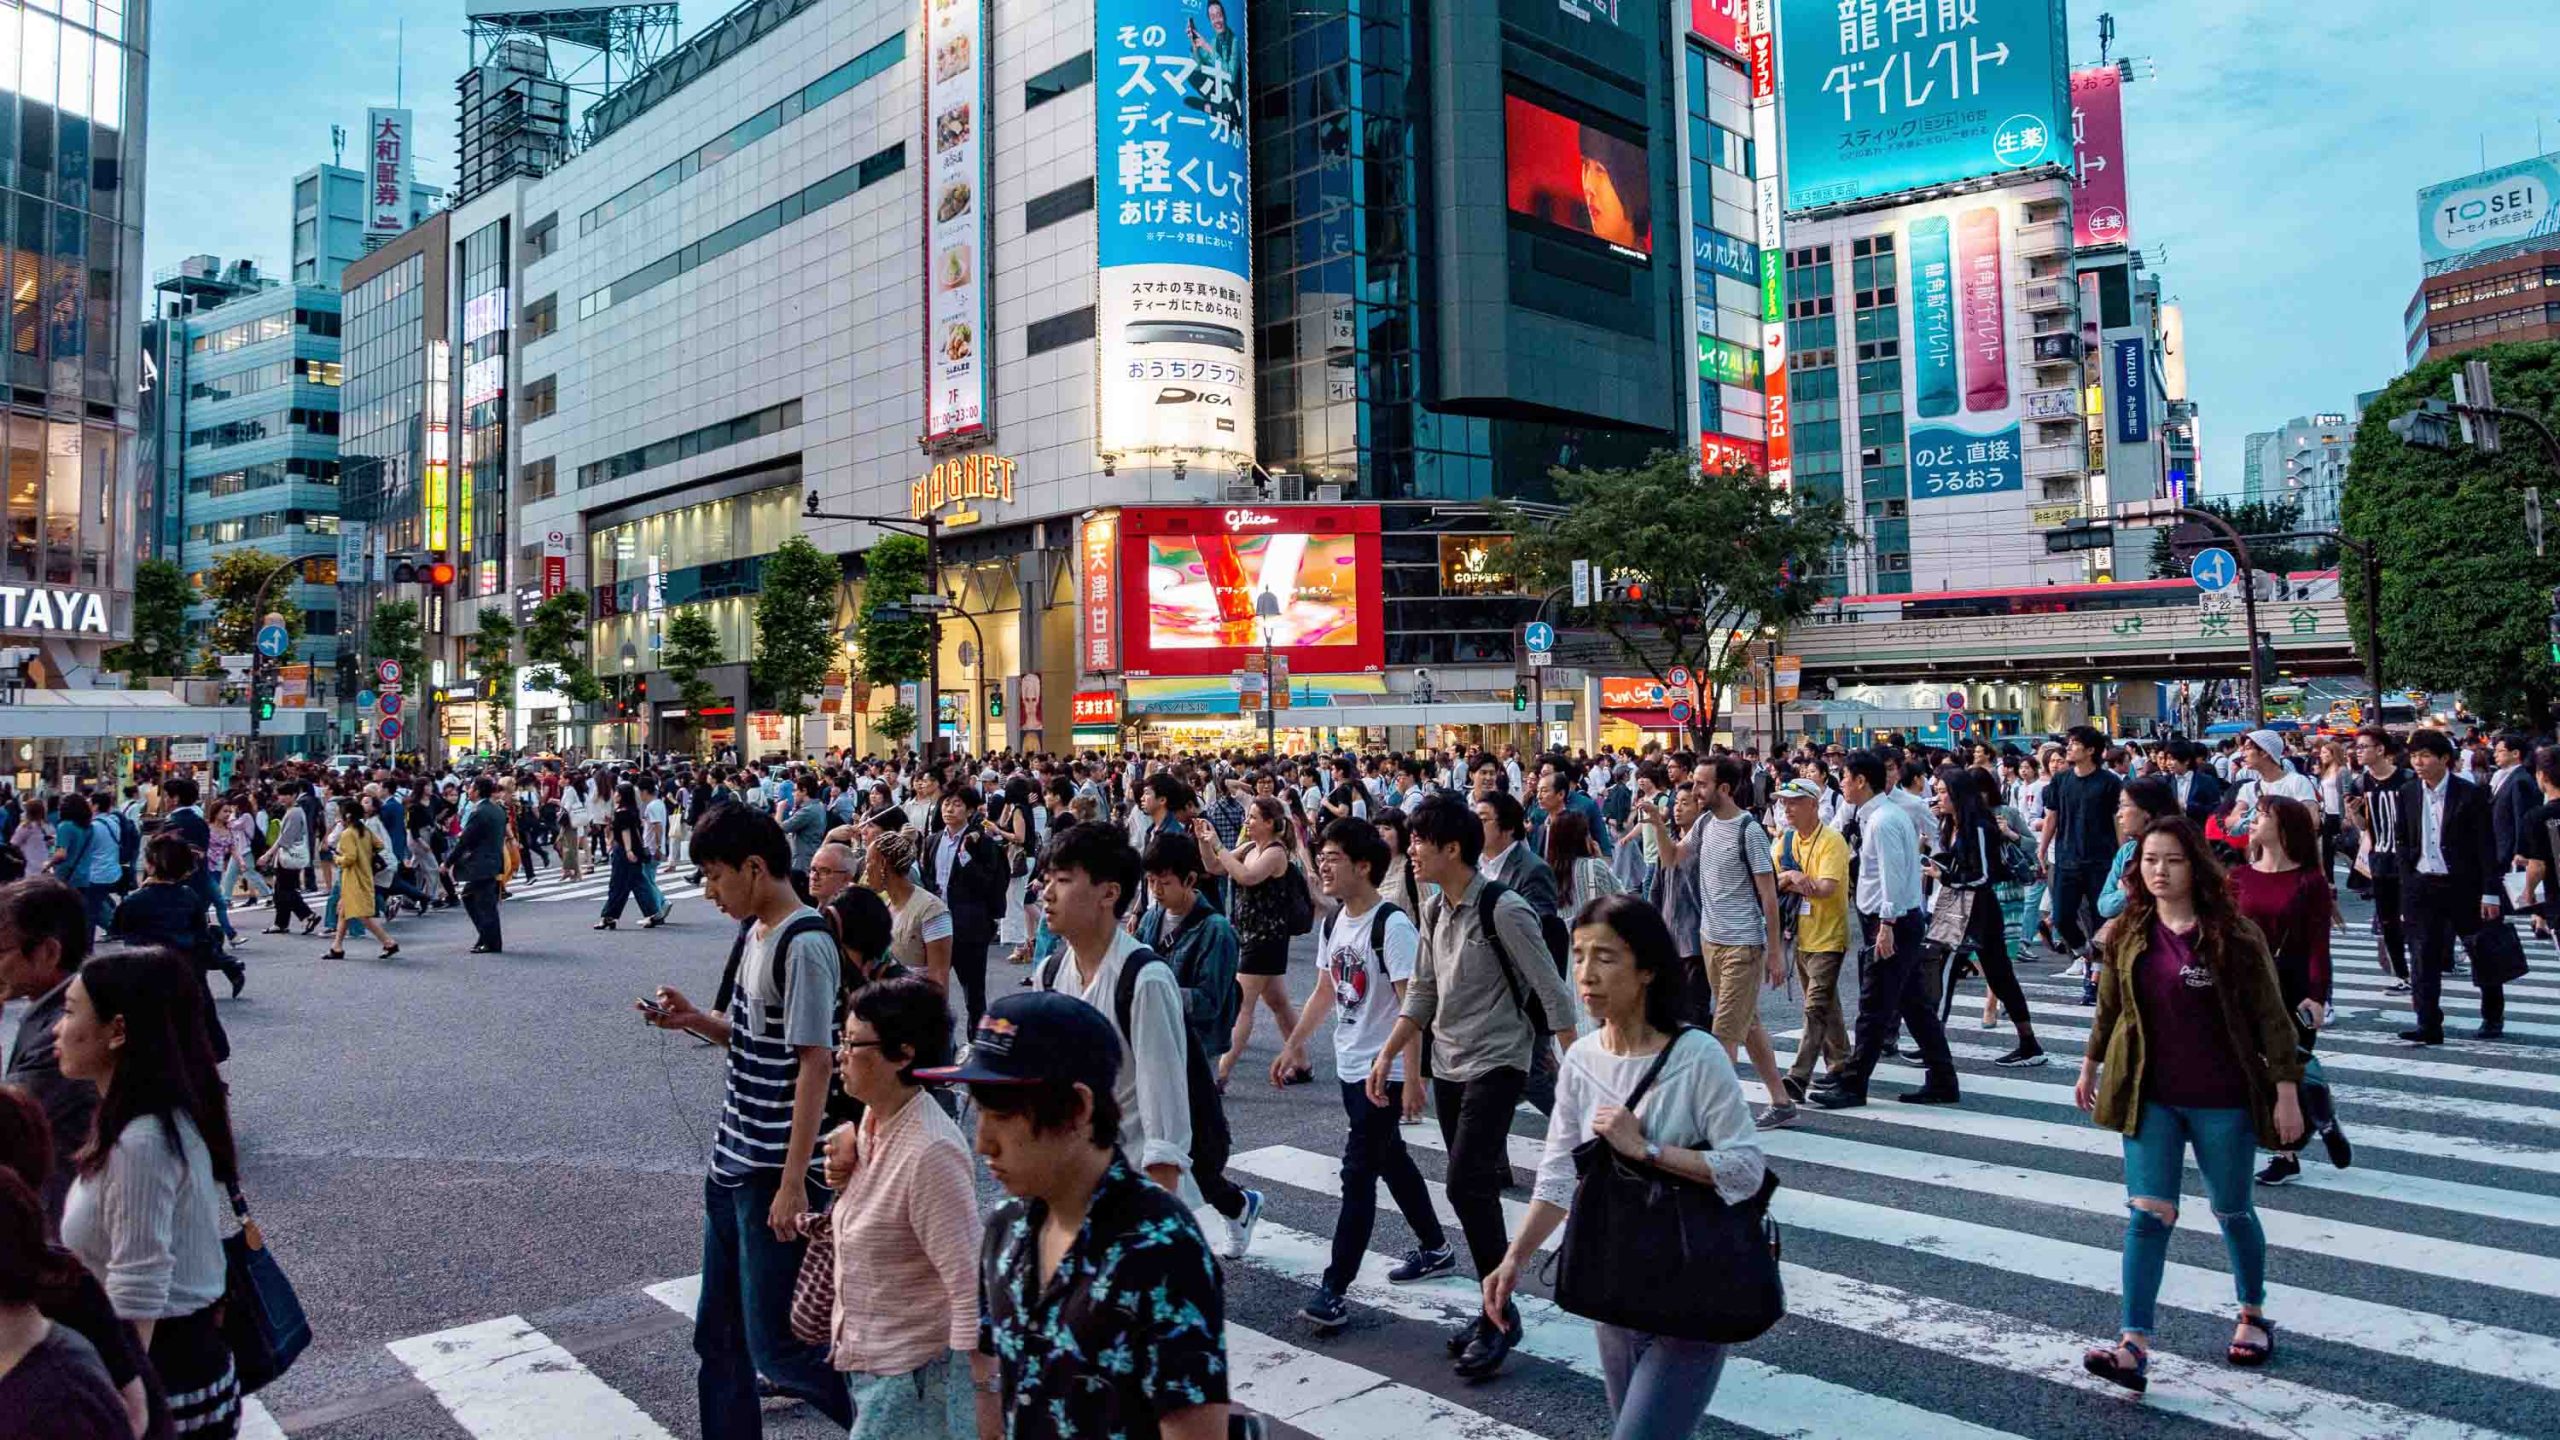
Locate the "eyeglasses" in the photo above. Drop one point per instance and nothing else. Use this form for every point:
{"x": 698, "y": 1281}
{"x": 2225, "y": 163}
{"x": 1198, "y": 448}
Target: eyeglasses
{"x": 860, "y": 1044}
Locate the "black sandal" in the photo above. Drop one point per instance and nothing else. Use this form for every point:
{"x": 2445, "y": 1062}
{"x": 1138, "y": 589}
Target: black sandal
{"x": 333, "y": 954}
{"x": 2248, "y": 1356}
{"x": 2107, "y": 1363}
{"x": 388, "y": 952}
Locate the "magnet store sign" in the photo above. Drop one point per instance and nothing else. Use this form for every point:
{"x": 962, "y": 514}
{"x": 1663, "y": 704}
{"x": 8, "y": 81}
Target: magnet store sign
{"x": 959, "y": 480}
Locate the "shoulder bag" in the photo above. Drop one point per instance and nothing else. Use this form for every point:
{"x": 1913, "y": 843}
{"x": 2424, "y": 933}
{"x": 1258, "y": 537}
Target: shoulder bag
{"x": 1540, "y": 1090}
{"x": 813, "y": 1294}
{"x": 262, "y": 1319}
{"x": 1634, "y": 1223}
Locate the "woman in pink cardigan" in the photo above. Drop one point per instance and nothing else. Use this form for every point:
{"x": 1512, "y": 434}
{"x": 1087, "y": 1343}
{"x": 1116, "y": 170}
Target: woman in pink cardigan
{"x": 905, "y": 1324}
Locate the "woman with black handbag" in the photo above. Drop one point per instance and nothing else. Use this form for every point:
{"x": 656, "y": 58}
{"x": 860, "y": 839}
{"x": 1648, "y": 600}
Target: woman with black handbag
{"x": 1664, "y": 1102}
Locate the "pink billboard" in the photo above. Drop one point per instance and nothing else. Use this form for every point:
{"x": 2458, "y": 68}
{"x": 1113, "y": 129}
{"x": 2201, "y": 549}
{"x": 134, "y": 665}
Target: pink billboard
{"x": 1982, "y": 308}
{"x": 1719, "y": 22}
{"x": 2097, "y": 143}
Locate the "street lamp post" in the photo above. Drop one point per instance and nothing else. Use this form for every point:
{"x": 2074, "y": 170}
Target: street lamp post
{"x": 1266, "y": 608}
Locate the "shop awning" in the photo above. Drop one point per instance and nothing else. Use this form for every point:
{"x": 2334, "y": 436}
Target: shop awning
{"x": 115, "y": 715}
{"x": 1643, "y": 719}
{"x": 1488, "y": 712}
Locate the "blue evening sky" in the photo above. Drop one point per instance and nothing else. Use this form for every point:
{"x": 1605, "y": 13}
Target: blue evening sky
{"x": 2275, "y": 151}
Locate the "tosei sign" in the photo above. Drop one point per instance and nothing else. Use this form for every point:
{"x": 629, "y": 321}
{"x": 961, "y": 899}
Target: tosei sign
{"x": 2494, "y": 207}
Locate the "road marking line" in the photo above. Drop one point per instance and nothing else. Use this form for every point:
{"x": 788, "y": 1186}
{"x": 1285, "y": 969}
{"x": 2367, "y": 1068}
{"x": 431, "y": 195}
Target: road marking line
{"x": 256, "y": 1423}
{"x": 504, "y": 1380}
{"x": 2405, "y": 1064}
{"x": 1334, "y": 1400}
{"x": 2391, "y": 1016}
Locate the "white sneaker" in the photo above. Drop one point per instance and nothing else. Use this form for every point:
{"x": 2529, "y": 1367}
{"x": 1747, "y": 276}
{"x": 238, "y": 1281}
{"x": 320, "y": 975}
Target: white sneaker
{"x": 2076, "y": 970}
{"x": 1240, "y": 1229}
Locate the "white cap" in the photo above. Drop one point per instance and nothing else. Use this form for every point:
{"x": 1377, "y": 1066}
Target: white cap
{"x": 2269, "y": 741}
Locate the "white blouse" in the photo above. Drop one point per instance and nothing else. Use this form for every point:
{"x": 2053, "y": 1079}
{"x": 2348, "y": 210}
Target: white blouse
{"x": 1695, "y": 1104}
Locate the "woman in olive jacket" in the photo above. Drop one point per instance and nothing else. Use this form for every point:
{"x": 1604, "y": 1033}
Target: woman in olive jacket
{"x": 2192, "y": 1046}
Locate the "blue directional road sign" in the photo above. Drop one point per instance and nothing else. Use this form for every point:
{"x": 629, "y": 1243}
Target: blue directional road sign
{"x": 2214, "y": 570}
{"x": 1540, "y": 635}
{"x": 272, "y": 641}
{"x": 364, "y": 699}
{"x": 390, "y": 729}
{"x": 390, "y": 702}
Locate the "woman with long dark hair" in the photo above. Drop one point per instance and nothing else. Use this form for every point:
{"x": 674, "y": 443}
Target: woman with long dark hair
{"x": 2285, "y": 892}
{"x": 1581, "y": 875}
{"x": 2191, "y": 1047}
{"x": 1967, "y": 861}
{"x": 358, "y": 851}
{"x": 1260, "y": 869}
{"x": 1692, "y": 1123}
{"x": 147, "y": 1212}
{"x": 626, "y": 846}
{"x": 64, "y": 1290}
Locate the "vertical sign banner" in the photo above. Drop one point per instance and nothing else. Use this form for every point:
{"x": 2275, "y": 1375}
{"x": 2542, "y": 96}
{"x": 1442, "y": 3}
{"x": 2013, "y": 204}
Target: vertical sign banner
{"x": 2097, "y": 148}
{"x": 1962, "y": 408}
{"x": 1759, "y": 43}
{"x": 1174, "y": 327}
{"x": 1719, "y": 23}
{"x": 1884, "y": 96}
{"x": 386, "y": 172}
{"x": 555, "y": 561}
{"x": 1097, "y": 593}
{"x": 2133, "y": 391}
{"x": 956, "y": 344}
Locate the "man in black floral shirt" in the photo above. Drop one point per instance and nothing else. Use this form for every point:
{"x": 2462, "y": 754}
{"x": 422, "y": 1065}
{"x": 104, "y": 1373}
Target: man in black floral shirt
{"x": 1097, "y": 1292}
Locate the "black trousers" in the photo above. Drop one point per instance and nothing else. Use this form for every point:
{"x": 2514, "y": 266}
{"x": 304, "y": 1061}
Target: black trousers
{"x": 1987, "y": 931}
{"x": 2436, "y": 917}
{"x": 2386, "y": 909}
{"x": 2075, "y": 904}
{"x": 1890, "y": 992}
{"x": 1475, "y": 1123}
{"x": 1373, "y": 1150}
{"x": 480, "y": 902}
{"x": 969, "y": 944}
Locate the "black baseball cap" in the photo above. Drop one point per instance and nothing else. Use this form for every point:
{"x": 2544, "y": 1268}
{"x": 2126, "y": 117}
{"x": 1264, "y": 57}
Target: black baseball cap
{"x": 1038, "y": 1038}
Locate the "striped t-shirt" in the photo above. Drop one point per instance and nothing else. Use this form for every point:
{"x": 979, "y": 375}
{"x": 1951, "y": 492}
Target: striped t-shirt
{"x": 768, "y": 1024}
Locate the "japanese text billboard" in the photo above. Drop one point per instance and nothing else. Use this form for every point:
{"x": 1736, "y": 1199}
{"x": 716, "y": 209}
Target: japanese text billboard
{"x": 1192, "y": 581}
{"x": 1965, "y": 383}
{"x": 956, "y": 347}
{"x": 2097, "y": 148}
{"x": 2494, "y": 207}
{"x": 1719, "y": 23}
{"x": 1174, "y": 328}
{"x": 1884, "y": 96}
{"x": 386, "y": 171}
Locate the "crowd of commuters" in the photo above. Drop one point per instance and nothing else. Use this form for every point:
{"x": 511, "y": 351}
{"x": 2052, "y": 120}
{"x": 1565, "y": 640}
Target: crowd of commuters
{"x": 1488, "y": 930}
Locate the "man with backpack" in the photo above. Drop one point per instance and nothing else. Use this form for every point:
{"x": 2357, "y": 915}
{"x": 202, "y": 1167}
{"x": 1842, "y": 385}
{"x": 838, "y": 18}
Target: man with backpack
{"x": 1172, "y": 1121}
{"x": 1364, "y": 966}
{"x": 1488, "y": 1007}
{"x": 776, "y": 1016}
{"x": 1201, "y": 946}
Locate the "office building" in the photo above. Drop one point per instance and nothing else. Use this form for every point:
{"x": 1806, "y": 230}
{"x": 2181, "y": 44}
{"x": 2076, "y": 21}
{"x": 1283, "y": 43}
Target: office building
{"x": 71, "y": 237}
{"x": 2489, "y": 249}
{"x": 2306, "y": 462}
{"x": 2261, "y": 467}
{"x": 329, "y": 205}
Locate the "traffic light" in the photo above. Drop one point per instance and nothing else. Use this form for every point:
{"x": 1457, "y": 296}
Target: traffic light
{"x": 2264, "y": 658}
{"x": 2553, "y": 625}
{"x": 2429, "y": 427}
{"x": 266, "y": 709}
{"x": 1520, "y": 695}
{"x": 995, "y": 704}
{"x": 438, "y": 571}
{"x": 1622, "y": 590}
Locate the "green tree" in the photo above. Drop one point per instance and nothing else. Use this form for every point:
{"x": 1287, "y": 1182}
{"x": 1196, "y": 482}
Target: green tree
{"x": 796, "y": 640}
{"x": 896, "y": 723}
{"x": 232, "y": 587}
{"x": 893, "y": 651}
{"x": 393, "y": 634}
{"x": 160, "y": 600}
{"x": 2463, "y": 595}
{"x": 692, "y": 646}
{"x": 555, "y": 637}
{"x": 2252, "y": 517}
{"x": 1720, "y": 554}
{"x": 493, "y": 660}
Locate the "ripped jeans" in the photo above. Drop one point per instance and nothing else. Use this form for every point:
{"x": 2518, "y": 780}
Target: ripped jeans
{"x": 2226, "y": 1146}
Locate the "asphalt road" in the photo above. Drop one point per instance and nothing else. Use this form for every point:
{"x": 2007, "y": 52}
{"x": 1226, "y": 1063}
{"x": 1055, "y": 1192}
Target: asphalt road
{"x": 477, "y": 1169}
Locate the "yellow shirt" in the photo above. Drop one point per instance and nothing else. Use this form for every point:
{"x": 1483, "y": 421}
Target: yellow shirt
{"x": 1823, "y": 925}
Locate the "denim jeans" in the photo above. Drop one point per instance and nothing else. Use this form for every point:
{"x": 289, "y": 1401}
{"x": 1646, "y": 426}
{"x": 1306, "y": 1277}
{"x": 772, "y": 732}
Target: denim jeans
{"x": 936, "y": 1402}
{"x": 1658, "y": 1387}
{"x": 624, "y": 884}
{"x": 1373, "y": 1150}
{"x": 653, "y": 901}
{"x": 2226, "y": 1145}
{"x": 742, "y": 1327}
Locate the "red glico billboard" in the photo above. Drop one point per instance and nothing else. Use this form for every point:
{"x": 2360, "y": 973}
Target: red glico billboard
{"x": 1192, "y": 580}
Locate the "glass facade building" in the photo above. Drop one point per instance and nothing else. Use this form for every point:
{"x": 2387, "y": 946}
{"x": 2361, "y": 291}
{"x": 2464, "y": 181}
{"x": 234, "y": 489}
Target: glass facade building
{"x": 71, "y": 93}
{"x": 480, "y": 505}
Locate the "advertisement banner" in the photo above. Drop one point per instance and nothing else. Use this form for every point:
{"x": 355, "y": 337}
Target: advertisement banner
{"x": 1759, "y": 43}
{"x": 1578, "y": 177}
{"x": 1192, "y": 581}
{"x": 1096, "y": 707}
{"x": 2097, "y": 149}
{"x": 956, "y": 342}
{"x": 1719, "y": 23}
{"x": 387, "y": 168}
{"x": 1883, "y": 98}
{"x": 1174, "y": 323}
{"x": 2494, "y": 207}
{"x": 1719, "y": 453}
{"x": 1097, "y": 593}
{"x": 555, "y": 561}
{"x": 1027, "y": 698}
{"x": 1716, "y": 253}
{"x": 1963, "y": 405}
{"x": 2132, "y": 380}
{"x": 1721, "y": 362}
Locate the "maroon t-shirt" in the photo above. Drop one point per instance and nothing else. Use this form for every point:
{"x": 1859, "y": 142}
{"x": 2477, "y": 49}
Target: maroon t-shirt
{"x": 2190, "y": 1062}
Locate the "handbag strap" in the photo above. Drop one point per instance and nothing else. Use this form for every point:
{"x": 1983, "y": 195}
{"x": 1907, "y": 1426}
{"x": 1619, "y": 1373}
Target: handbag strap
{"x": 1655, "y": 1069}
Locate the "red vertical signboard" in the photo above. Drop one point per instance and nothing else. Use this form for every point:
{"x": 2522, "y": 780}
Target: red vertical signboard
{"x": 2097, "y": 142}
{"x": 1097, "y": 593}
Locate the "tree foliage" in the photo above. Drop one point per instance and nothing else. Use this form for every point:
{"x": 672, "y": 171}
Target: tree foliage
{"x": 2463, "y": 595}
{"x": 160, "y": 600}
{"x": 692, "y": 646}
{"x": 796, "y": 642}
{"x": 2253, "y": 517}
{"x": 893, "y": 650}
{"x": 1720, "y": 552}
{"x": 232, "y": 587}
{"x": 896, "y": 723}
{"x": 555, "y": 637}
{"x": 493, "y": 655}
{"x": 393, "y": 634}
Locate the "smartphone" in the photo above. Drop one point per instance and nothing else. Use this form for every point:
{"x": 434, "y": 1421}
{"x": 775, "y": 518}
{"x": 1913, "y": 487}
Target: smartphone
{"x": 2302, "y": 1012}
{"x": 652, "y": 1008}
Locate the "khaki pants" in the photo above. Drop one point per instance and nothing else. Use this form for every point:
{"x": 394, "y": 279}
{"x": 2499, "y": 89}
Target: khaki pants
{"x": 1734, "y": 972}
{"x": 1825, "y": 1037}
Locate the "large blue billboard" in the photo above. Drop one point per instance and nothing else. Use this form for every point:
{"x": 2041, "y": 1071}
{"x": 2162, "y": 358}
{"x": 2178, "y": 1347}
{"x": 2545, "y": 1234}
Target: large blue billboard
{"x": 1880, "y": 97}
{"x": 1174, "y": 328}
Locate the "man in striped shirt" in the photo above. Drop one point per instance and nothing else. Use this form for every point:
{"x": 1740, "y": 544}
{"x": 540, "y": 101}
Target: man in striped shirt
{"x": 776, "y": 1015}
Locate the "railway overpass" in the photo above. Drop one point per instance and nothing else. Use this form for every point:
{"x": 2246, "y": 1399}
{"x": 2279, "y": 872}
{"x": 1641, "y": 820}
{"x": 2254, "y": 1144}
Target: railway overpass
{"x": 2310, "y": 638}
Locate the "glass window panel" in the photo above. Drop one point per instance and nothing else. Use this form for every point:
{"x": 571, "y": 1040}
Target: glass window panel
{"x": 39, "y": 54}
{"x": 61, "y": 500}
{"x": 74, "y": 71}
{"x": 35, "y": 148}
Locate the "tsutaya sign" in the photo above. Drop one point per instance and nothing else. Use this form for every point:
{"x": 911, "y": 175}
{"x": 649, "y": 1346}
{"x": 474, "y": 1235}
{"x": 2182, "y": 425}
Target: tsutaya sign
{"x": 48, "y": 611}
{"x": 960, "y": 479}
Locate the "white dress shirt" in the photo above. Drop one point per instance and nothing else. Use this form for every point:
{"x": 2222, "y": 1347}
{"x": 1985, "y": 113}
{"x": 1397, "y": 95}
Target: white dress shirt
{"x": 1888, "y": 860}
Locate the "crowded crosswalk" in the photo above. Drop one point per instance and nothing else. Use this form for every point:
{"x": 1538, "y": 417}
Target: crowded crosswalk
{"x": 1944, "y": 1269}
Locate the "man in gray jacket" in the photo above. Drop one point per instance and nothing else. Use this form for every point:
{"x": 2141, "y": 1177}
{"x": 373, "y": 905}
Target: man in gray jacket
{"x": 806, "y": 826}
{"x": 1488, "y": 997}
{"x": 478, "y": 854}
